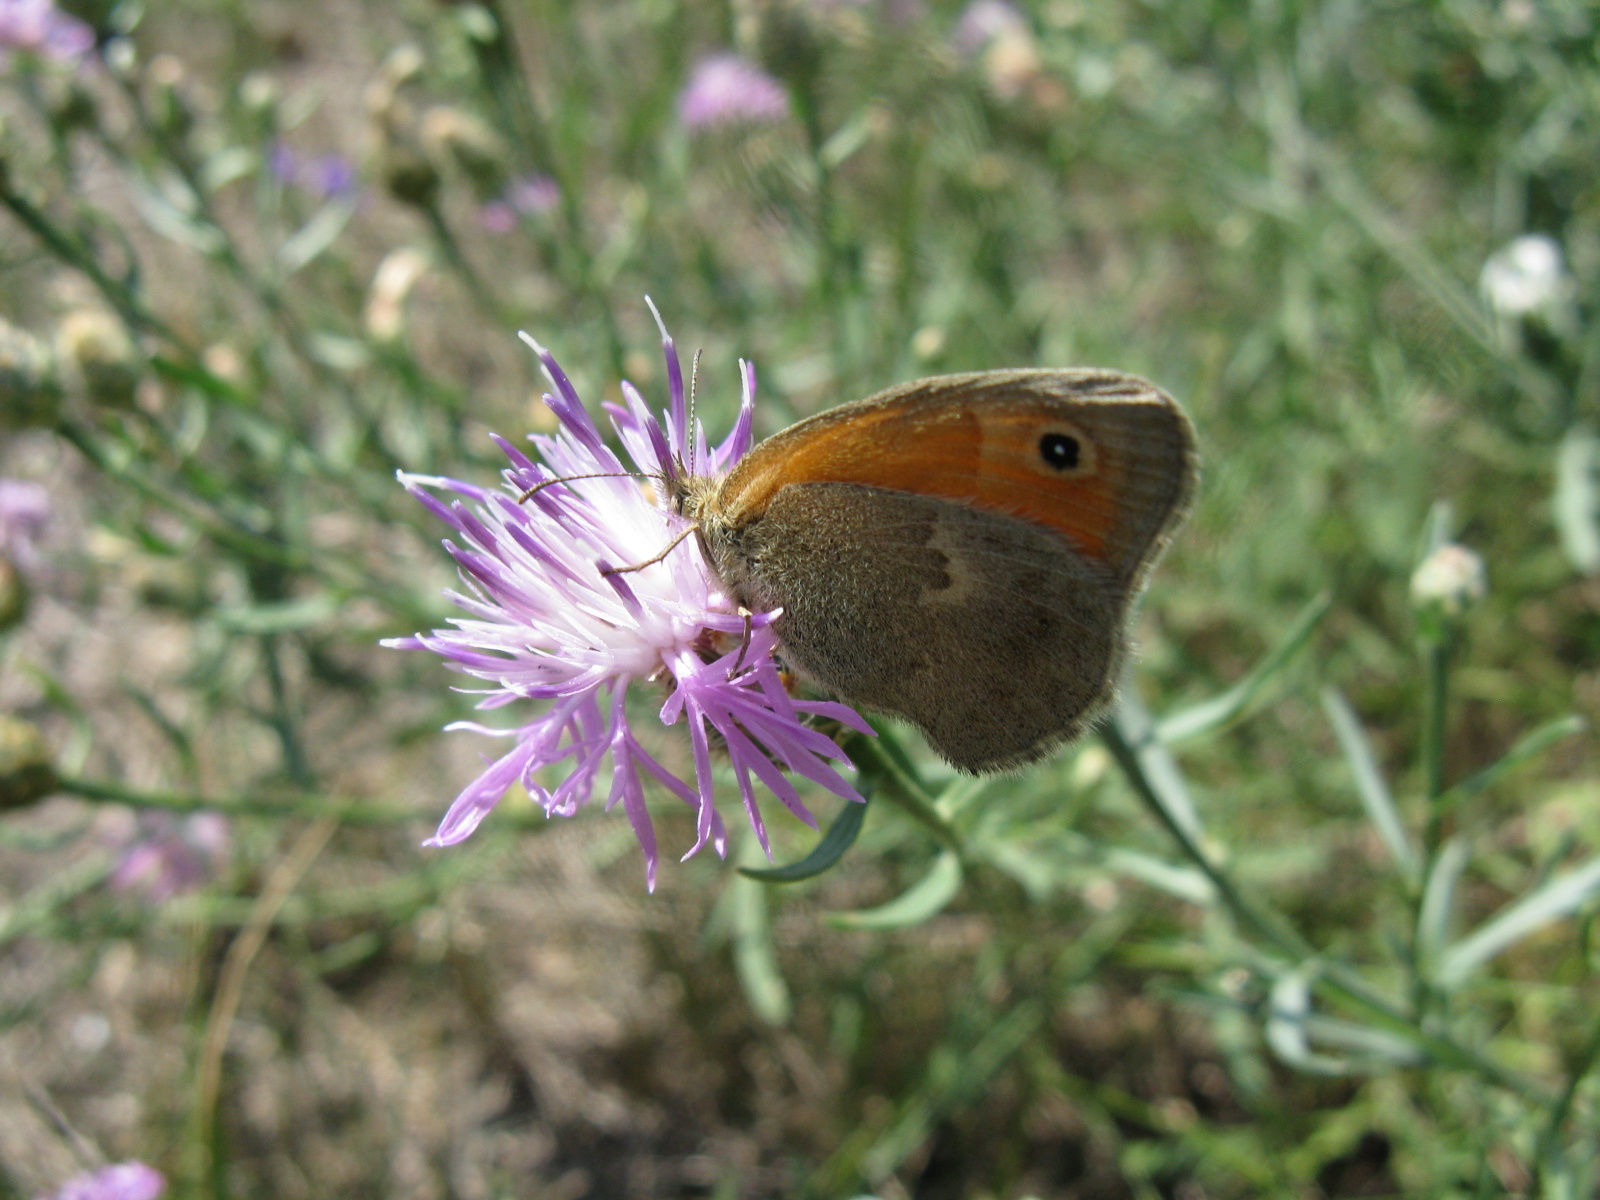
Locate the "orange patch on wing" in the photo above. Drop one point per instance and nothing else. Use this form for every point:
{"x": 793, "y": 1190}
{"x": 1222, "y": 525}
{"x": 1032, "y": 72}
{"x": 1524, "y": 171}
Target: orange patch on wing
{"x": 988, "y": 458}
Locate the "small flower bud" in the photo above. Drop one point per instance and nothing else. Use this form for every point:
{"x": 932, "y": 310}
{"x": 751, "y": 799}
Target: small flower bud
{"x": 27, "y": 773}
{"x": 93, "y": 344}
{"x": 259, "y": 93}
{"x": 30, "y": 387}
{"x": 168, "y": 105}
{"x": 1528, "y": 278}
{"x": 386, "y": 303}
{"x": 1448, "y": 581}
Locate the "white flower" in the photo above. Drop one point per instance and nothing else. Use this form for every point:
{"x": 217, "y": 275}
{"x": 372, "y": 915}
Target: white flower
{"x": 1527, "y": 278}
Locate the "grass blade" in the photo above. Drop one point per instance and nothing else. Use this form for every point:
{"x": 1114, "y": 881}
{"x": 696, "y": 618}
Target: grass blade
{"x": 926, "y": 897}
{"x": 1438, "y": 900}
{"x": 1529, "y": 746}
{"x": 1370, "y": 785}
{"x": 1226, "y": 707}
{"x": 1558, "y": 898}
{"x": 840, "y": 837}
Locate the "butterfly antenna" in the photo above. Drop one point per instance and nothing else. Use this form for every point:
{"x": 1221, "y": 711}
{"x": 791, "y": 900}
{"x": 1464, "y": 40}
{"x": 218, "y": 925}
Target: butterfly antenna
{"x": 694, "y": 385}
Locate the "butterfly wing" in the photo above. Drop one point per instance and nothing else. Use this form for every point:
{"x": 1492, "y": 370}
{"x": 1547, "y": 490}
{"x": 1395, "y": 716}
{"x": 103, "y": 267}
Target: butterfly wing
{"x": 1119, "y": 480}
{"x": 962, "y": 551}
{"x": 985, "y": 632}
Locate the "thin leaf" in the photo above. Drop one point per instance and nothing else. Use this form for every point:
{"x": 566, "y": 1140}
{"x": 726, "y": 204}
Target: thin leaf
{"x": 163, "y": 216}
{"x": 1576, "y": 500}
{"x": 1286, "y": 1024}
{"x": 1370, "y": 785}
{"x": 753, "y": 955}
{"x": 840, "y": 837}
{"x": 316, "y": 235}
{"x": 1558, "y": 898}
{"x": 1222, "y": 709}
{"x": 1183, "y": 882}
{"x": 226, "y": 165}
{"x": 1438, "y": 900}
{"x": 927, "y": 896}
{"x": 287, "y": 617}
{"x": 1529, "y": 746}
{"x": 1374, "y": 1048}
{"x": 1154, "y": 762}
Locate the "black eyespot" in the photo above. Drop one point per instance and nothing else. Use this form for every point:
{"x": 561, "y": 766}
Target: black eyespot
{"x": 1059, "y": 451}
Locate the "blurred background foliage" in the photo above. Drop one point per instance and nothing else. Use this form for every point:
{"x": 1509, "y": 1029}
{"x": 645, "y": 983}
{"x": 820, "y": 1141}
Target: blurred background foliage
{"x": 257, "y": 257}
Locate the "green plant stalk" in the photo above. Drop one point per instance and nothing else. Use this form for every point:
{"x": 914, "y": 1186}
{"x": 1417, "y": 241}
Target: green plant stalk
{"x": 908, "y": 793}
{"x": 1334, "y": 977}
{"x": 74, "y": 256}
{"x": 1435, "y": 684}
{"x": 1550, "y": 1138}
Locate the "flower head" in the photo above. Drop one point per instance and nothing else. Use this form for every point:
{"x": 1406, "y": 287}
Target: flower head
{"x": 328, "y": 176}
{"x": 984, "y": 21}
{"x": 36, "y": 26}
{"x": 1449, "y": 580}
{"x": 532, "y": 194}
{"x": 726, "y": 90}
{"x": 169, "y": 855}
{"x": 24, "y": 512}
{"x": 573, "y": 599}
{"x": 1527, "y": 277}
{"x": 124, "y": 1181}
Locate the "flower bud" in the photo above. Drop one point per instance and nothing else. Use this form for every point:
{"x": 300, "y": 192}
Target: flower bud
{"x": 93, "y": 344}
{"x": 30, "y": 387}
{"x": 386, "y": 303}
{"x": 169, "y": 107}
{"x": 27, "y": 772}
{"x": 1448, "y": 581}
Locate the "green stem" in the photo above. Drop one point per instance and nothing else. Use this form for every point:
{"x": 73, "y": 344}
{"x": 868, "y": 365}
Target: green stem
{"x": 906, "y": 791}
{"x": 1334, "y": 978}
{"x": 1436, "y": 673}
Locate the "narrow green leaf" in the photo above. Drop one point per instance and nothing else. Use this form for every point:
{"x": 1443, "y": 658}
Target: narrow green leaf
{"x": 1555, "y": 899}
{"x": 1370, "y": 785}
{"x": 1141, "y": 753}
{"x": 1438, "y": 901}
{"x": 840, "y": 837}
{"x": 287, "y": 617}
{"x": 927, "y": 896}
{"x": 1224, "y": 708}
{"x": 1185, "y": 883}
{"x": 1370, "y": 1048}
{"x": 754, "y": 958}
{"x": 1286, "y": 1024}
{"x": 315, "y": 236}
{"x": 1576, "y": 500}
{"x": 1529, "y": 746}
{"x": 226, "y": 165}
{"x": 163, "y": 216}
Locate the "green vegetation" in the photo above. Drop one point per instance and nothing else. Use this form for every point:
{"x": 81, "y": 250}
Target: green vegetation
{"x": 1320, "y": 922}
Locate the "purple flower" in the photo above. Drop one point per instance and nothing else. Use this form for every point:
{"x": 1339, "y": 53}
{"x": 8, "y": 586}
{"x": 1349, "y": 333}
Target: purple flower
{"x": 24, "y": 512}
{"x": 545, "y": 621}
{"x": 36, "y": 26}
{"x": 497, "y": 217}
{"x": 533, "y": 194}
{"x": 328, "y": 176}
{"x": 331, "y": 175}
{"x": 124, "y": 1181}
{"x": 171, "y": 855}
{"x": 725, "y": 90}
{"x": 981, "y": 22}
